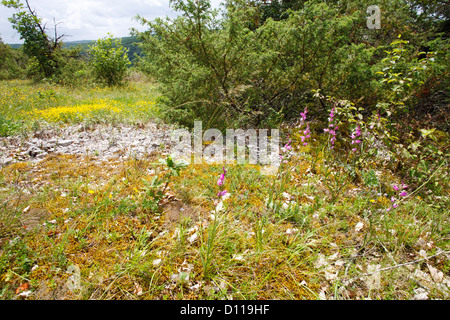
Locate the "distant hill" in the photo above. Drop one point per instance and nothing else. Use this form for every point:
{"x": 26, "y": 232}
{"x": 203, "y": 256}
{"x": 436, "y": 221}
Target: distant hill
{"x": 128, "y": 42}
{"x": 83, "y": 43}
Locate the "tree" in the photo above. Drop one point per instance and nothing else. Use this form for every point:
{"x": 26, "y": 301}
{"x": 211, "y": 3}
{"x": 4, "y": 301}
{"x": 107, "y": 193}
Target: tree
{"x": 223, "y": 70}
{"x": 3, "y": 53}
{"x": 12, "y": 62}
{"x": 110, "y": 60}
{"x": 37, "y": 43}
{"x": 232, "y": 68}
{"x": 276, "y": 9}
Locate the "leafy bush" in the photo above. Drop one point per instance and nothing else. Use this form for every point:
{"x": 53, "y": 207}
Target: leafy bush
{"x": 12, "y": 62}
{"x": 37, "y": 44}
{"x": 74, "y": 69}
{"x": 242, "y": 68}
{"x": 222, "y": 69}
{"x": 109, "y": 60}
{"x": 7, "y": 127}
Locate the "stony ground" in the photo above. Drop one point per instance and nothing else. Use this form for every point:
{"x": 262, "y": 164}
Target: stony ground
{"x": 102, "y": 141}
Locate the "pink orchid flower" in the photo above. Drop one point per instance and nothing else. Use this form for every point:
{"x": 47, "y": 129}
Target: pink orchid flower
{"x": 222, "y": 193}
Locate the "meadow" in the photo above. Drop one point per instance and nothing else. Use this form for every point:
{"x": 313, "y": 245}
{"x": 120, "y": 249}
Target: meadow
{"x": 322, "y": 226}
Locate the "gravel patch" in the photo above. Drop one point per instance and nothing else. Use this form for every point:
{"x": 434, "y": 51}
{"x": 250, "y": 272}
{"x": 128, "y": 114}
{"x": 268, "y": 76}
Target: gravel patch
{"x": 102, "y": 141}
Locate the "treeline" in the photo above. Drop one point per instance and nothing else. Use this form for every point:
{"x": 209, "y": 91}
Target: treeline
{"x": 129, "y": 43}
{"x": 13, "y": 62}
{"x": 76, "y": 60}
{"x": 47, "y": 58}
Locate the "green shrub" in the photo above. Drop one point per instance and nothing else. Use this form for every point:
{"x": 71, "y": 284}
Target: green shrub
{"x": 109, "y": 60}
{"x": 222, "y": 70}
{"x": 234, "y": 71}
{"x": 74, "y": 69}
{"x": 12, "y": 62}
{"x": 7, "y": 127}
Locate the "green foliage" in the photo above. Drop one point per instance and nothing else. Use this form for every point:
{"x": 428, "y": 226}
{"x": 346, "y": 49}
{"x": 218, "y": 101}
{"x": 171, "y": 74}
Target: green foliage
{"x": 37, "y": 44}
{"x": 425, "y": 160}
{"x": 155, "y": 189}
{"x": 276, "y": 9}
{"x": 12, "y": 62}
{"x": 133, "y": 49}
{"x": 74, "y": 68}
{"x": 7, "y": 126}
{"x": 249, "y": 68}
{"x": 16, "y": 258}
{"x": 401, "y": 75}
{"x": 48, "y": 59}
{"x": 109, "y": 60}
{"x": 130, "y": 43}
{"x": 222, "y": 70}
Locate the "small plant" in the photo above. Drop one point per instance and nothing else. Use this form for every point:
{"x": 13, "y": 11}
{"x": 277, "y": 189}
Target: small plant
{"x": 207, "y": 248}
{"x": 332, "y": 128}
{"x": 370, "y": 179}
{"x": 306, "y": 134}
{"x": 7, "y": 127}
{"x": 16, "y": 258}
{"x": 334, "y": 171}
{"x": 282, "y": 177}
{"x": 156, "y": 188}
{"x": 401, "y": 76}
{"x": 402, "y": 193}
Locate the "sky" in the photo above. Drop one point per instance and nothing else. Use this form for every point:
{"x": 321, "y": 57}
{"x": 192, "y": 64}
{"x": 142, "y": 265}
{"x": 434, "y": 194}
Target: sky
{"x": 90, "y": 19}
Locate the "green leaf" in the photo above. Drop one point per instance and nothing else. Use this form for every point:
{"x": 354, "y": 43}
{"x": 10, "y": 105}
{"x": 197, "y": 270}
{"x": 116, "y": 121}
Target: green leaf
{"x": 414, "y": 146}
{"x": 425, "y": 133}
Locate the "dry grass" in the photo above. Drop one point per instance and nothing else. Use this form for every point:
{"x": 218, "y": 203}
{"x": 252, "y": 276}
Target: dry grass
{"x": 96, "y": 215}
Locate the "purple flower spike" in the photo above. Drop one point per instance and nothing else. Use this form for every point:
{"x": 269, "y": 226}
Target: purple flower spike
{"x": 222, "y": 193}
{"x": 221, "y": 178}
{"x": 331, "y": 129}
{"x": 220, "y": 181}
{"x": 288, "y": 145}
{"x": 303, "y": 114}
{"x": 403, "y": 194}
{"x": 355, "y": 134}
